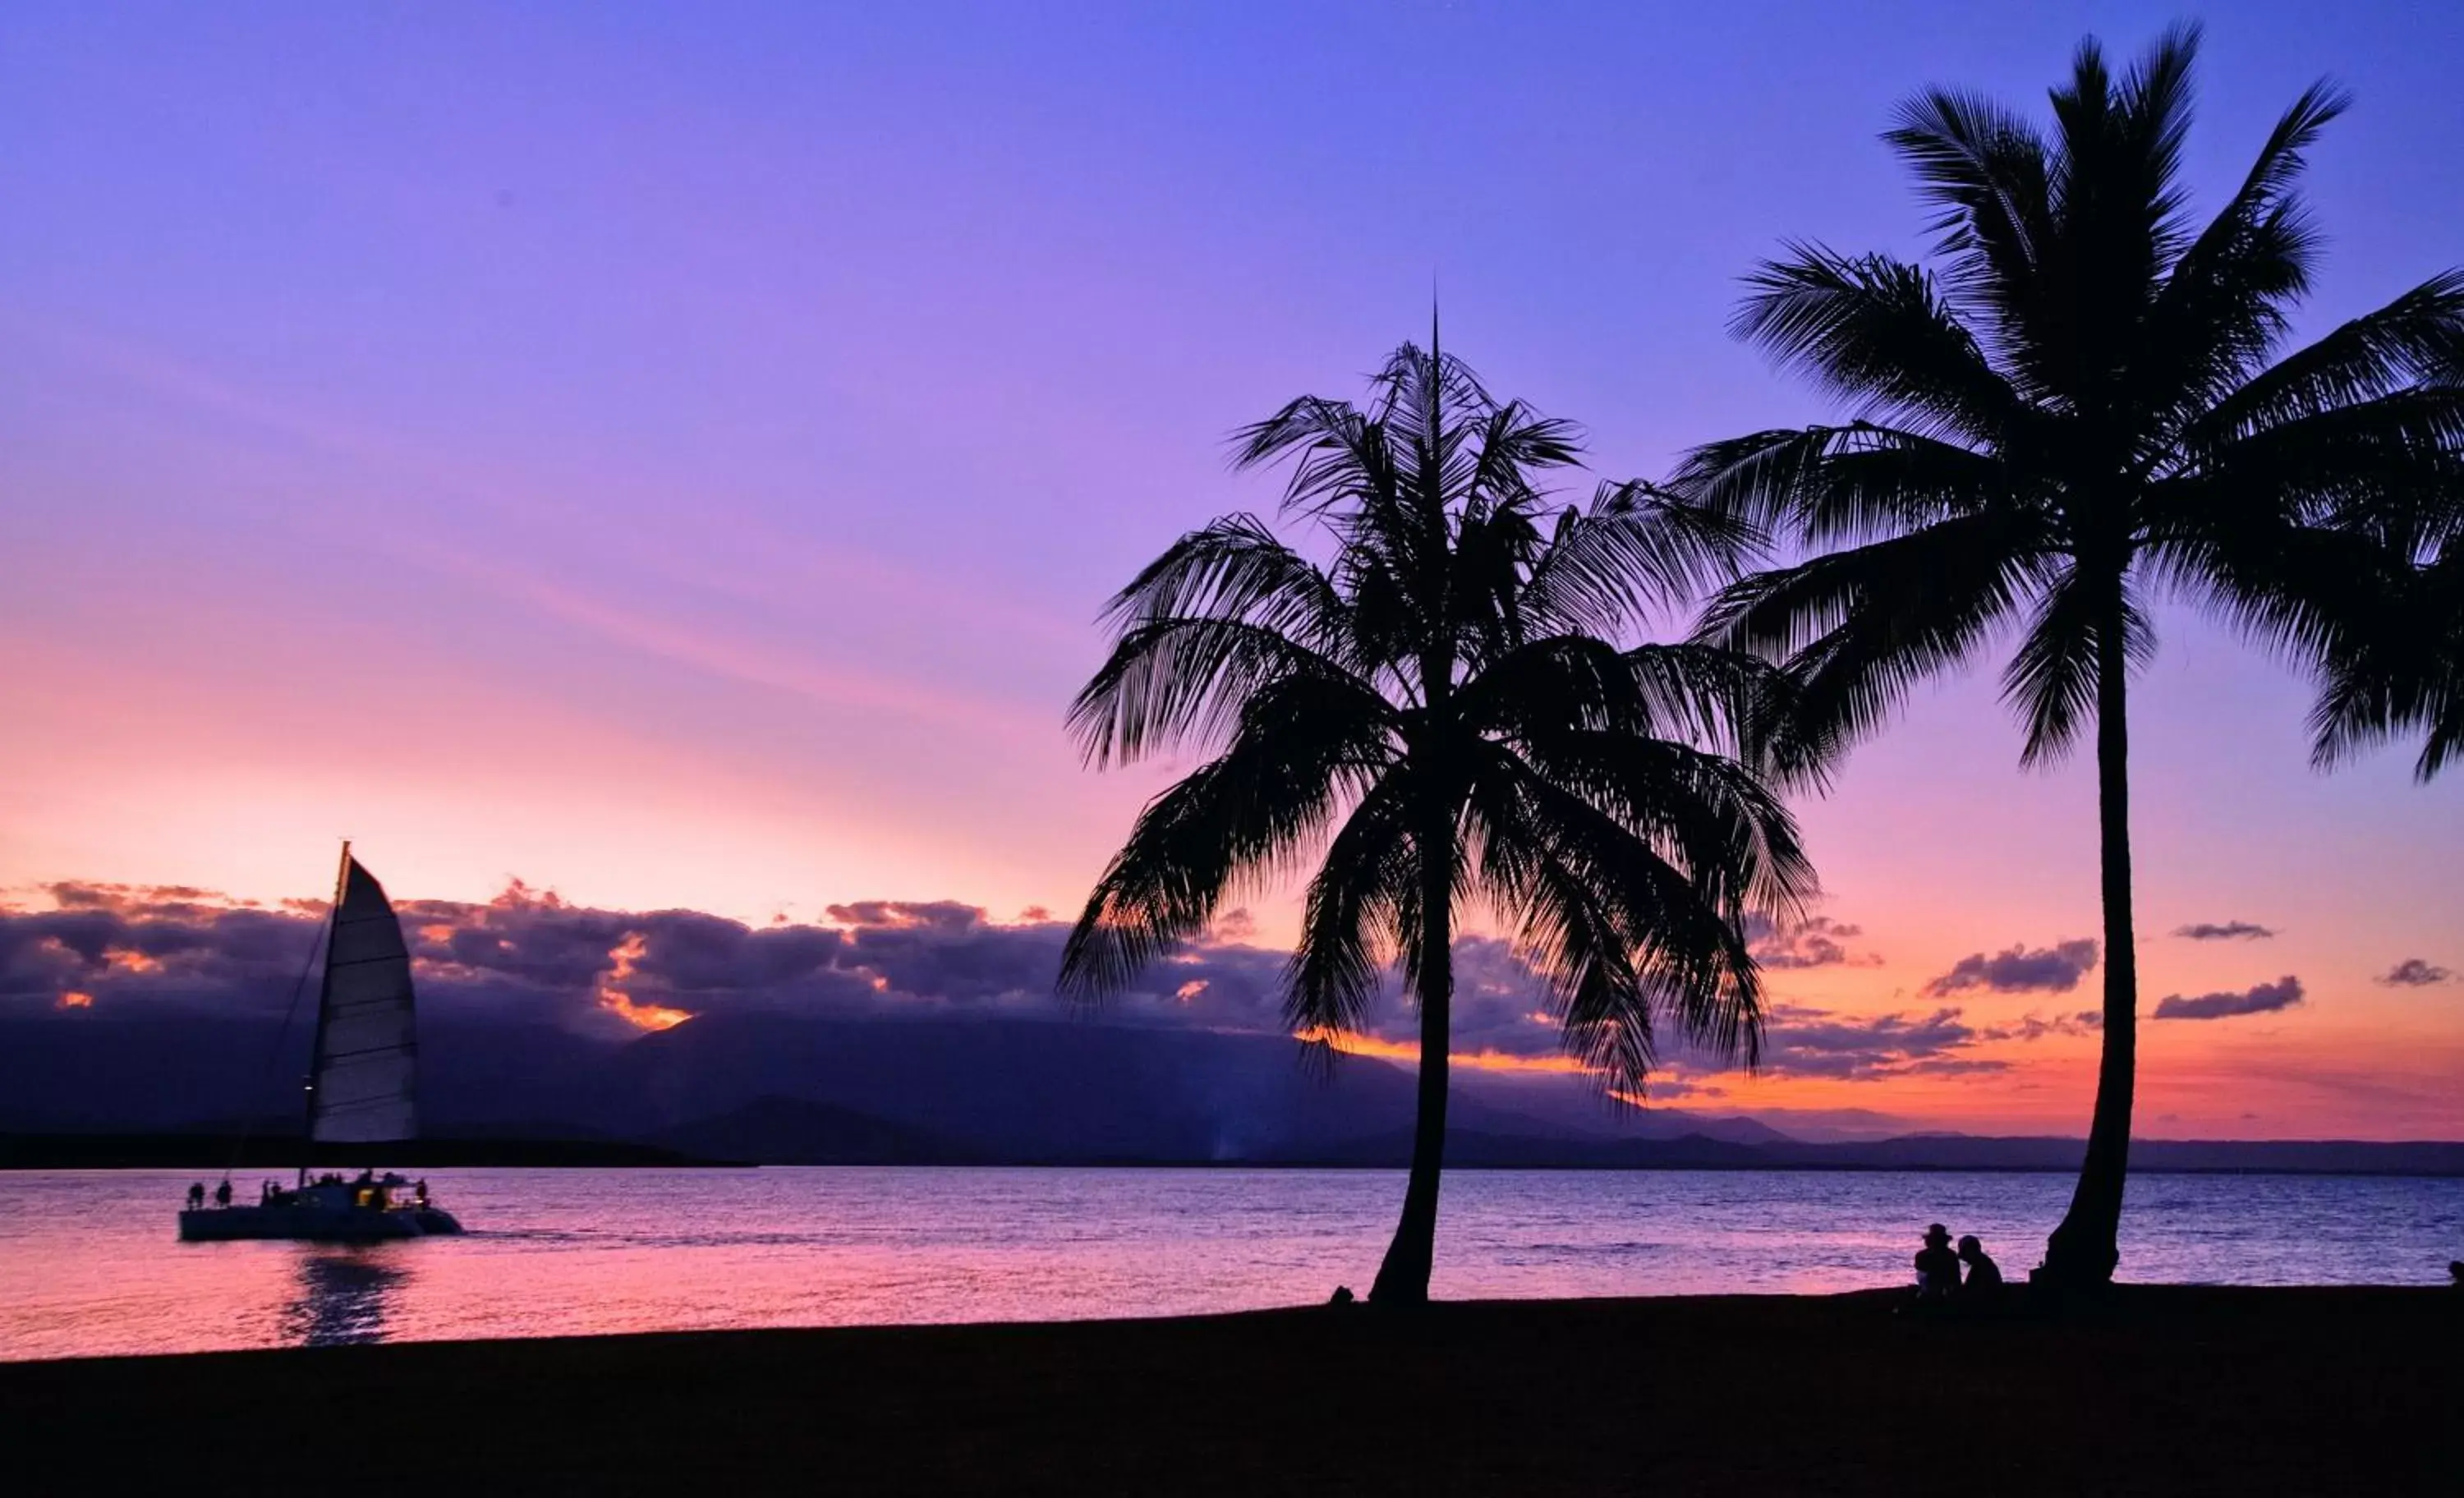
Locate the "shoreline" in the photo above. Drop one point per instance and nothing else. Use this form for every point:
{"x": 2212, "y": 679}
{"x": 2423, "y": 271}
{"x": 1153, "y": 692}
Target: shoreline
{"x": 2146, "y": 1389}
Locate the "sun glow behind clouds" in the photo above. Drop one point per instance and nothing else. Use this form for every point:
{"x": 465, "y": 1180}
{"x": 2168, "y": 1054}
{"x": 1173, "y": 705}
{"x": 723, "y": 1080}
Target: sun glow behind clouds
{"x": 614, "y": 999}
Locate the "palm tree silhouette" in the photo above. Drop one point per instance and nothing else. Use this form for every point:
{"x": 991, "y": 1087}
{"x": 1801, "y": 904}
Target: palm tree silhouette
{"x": 1434, "y": 717}
{"x": 2070, "y": 409}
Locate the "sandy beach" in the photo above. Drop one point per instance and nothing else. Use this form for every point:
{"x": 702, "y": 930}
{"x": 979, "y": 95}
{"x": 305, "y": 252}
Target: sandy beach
{"x": 2154, "y": 1390}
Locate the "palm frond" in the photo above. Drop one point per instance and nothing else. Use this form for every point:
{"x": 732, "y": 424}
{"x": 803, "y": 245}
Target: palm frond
{"x": 1989, "y": 174}
{"x": 1353, "y": 918}
{"x": 2222, "y": 307}
{"x": 1637, "y": 551}
{"x": 1251, "y": 814}
{"x": 1872, "y": 330}
{"x": 1582, "y": 845}
{"x": 2416, "y": 339}
{"x": 2052, "y": 678}
{"x": 1234, "y": 568}
{"x": 1176, "y": 680}
{"x": 2382, "y": 463}
{"x": 1858, "y": 629}
{"x": 1851, "y": 483}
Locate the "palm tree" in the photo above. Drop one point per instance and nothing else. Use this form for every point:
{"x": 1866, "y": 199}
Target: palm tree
{"x": 1433, "y": 716}
{"x": 2070, "y": 410}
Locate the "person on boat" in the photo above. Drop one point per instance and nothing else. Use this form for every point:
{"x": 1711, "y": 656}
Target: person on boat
{"x": 196, "y": 1196}
{"x": 1937, "y": 1265}
{"x": 1984, "y": 1275}
{"x": 420, "y": 1191}
{"x": 222, "y": 1193}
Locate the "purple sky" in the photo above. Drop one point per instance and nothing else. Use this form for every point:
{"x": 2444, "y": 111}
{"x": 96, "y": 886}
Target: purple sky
{"x": 675, "y": 454}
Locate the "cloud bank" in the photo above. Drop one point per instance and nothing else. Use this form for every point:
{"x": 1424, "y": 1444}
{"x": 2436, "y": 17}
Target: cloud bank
{"x": 110, "y": 953}
{"x": 2018, "y": 970}
{"x": 1816, "y": 941}
{"x": 2415, "y": 973}
{"x": 530, "y": 957}
{"x": 2286, "y": 993}
{"x": 107, "y": 953}
{"x": 2224, "y": 931}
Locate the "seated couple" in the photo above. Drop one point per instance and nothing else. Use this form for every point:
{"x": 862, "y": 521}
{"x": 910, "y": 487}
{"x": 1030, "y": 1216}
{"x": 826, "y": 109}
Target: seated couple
{"x": 1938, "y": 1276}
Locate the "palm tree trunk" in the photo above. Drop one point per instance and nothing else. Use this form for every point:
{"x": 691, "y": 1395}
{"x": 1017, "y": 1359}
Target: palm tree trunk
{"x": 1403, "y": 1277}
{"x": 2086, "y": 1246}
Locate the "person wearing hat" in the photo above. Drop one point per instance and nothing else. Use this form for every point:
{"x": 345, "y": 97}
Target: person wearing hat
{"x": 1937, "y": 1265}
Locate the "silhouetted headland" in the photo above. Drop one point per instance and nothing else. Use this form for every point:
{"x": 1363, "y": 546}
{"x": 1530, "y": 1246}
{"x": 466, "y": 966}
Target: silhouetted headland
{"x": 779, "y": 1131}
{"x": 207, "y": 1149}
{"x": 2146, "y": 1388}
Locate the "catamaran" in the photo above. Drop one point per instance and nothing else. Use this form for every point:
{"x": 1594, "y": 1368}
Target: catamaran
{"x": 361, "y": 1079}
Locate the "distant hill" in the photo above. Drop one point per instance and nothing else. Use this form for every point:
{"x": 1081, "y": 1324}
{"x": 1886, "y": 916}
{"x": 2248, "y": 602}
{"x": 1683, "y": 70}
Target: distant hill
{"x": 787, "y": 1130}
{"x": 214, "y": 1151}
{"x": 781, "y": 1087}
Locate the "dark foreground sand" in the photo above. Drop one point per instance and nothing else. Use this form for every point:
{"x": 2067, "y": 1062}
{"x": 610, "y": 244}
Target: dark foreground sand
{"x": 2161, "y": 1390}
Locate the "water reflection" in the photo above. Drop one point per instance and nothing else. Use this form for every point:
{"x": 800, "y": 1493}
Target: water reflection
{"x": 84, "y": 1270}
{"x": 343, "y": 1295}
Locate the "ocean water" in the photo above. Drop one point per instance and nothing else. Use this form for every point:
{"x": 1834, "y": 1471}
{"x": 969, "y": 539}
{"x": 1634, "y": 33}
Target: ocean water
{"x": 90, "y": 1264}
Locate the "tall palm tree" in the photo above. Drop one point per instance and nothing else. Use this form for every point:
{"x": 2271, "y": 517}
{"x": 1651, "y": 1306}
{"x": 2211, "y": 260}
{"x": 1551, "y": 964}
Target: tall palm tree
{"x": 2071, "y": 408}
{"x": 1432, "y": 715}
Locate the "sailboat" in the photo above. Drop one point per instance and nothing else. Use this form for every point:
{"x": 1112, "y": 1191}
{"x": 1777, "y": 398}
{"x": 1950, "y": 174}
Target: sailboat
{"x": 361, "y": 1092}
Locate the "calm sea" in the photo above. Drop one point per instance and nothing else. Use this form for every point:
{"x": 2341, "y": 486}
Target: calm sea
{"x": 89, "y": 1263}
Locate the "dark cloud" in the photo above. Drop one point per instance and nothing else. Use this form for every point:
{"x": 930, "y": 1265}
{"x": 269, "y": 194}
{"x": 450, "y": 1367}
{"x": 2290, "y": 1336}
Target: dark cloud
{"x": 2033, "y": 1026}
{"x": 2018, "y": 970}
{"x": 1807, "y": 1042}
{"x": 110, "y": 941}
{"x": 1818, "y": 942}
{"x": 120, "y": 952}
{"x": 1954, "y": 1067}
{"x": 2285, "y": 993}
{"x": 929, "y": 914}
{"x": 1820, "y": 1043}
{"x": 2224, "y": 931}
{"x": 2415, "y": 973}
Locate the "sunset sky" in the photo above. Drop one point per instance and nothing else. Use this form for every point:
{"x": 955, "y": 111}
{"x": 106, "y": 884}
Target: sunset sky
{"x": 675, "y": 457}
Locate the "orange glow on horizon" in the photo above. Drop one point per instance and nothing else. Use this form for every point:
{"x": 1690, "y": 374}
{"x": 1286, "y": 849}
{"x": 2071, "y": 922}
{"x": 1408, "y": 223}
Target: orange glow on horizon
{"x": 1351, "y": 1043}
{"x": 75, "y": 999}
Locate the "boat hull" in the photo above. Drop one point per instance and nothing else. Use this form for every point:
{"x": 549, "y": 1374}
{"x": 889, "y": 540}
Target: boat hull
{"x": 315, "y": 1223}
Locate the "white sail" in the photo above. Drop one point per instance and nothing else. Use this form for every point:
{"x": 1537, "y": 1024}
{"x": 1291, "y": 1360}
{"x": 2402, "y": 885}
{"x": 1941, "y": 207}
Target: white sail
{"x": 367, "y": 1048}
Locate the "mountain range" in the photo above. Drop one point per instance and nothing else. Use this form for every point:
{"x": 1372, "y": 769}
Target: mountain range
{"x": 789, "y": 1090}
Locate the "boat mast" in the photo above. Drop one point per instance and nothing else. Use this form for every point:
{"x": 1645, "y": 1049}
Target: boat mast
{"x": 324, "y": 996}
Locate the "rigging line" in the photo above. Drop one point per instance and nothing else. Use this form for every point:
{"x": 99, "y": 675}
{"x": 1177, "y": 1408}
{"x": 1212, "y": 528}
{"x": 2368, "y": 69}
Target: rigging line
{"x": 273, "y": 1058}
